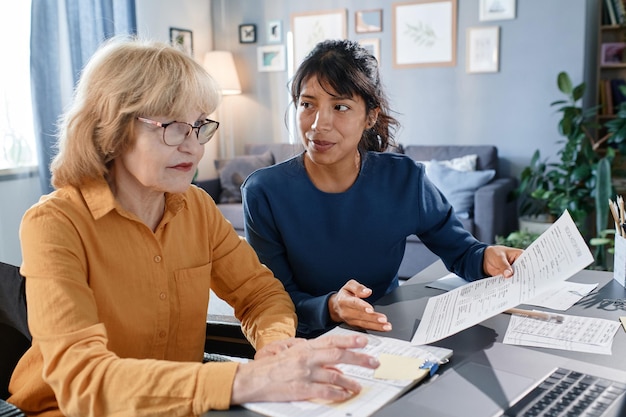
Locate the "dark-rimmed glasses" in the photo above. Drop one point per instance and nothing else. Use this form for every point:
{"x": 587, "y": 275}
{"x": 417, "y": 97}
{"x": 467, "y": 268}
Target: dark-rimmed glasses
{"x": 174, "y": 133}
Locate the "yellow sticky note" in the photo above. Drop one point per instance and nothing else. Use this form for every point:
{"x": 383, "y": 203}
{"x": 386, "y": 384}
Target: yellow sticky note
{"x": 399, "y": 367}
{"x": 623, "y": 320}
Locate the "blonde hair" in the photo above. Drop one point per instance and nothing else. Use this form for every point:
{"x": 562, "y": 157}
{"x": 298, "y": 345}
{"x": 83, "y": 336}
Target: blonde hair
{"x": 125, "y": 78}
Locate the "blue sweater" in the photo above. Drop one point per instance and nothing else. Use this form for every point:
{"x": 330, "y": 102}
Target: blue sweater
{"x": 314, "y": 242}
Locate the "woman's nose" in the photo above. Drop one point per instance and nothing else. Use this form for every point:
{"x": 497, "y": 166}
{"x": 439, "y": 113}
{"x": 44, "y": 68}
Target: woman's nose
{"x": 323, "y": 120}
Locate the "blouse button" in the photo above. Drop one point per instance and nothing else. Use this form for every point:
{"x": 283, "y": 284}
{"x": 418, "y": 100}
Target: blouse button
{"x": 162, "y": 333}
{"x": 157, "y": 258}
{"x": 162, "y": 296}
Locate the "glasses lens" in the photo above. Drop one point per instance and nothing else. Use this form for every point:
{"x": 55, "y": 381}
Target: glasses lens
{"x": 176, "y": 133}
{"x": 206, "y": 131}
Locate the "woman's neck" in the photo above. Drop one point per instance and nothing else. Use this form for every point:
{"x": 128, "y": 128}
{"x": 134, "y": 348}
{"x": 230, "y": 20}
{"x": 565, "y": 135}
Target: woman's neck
{"x": 335, "y": 178}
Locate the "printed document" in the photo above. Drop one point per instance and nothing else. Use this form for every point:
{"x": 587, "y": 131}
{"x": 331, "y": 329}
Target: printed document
{"x": 402, "y": 366}
{"x": 581, "y": 334}
{"x": 556, "y": 255}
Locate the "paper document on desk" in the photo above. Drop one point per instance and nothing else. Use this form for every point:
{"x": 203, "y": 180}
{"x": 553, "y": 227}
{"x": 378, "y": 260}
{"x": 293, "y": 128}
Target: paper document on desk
{"x": 556, "y": 255}
{"x": 378, "y": 386}
{"x": 580, "y": 334}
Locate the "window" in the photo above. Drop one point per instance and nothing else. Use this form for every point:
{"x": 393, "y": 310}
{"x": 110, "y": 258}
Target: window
{"x": 17, "y": 138}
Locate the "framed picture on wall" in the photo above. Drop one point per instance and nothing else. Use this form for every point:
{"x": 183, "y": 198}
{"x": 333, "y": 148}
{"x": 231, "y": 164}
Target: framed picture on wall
{"x": 424, "y": 33}
{"x": 366, "y": 21}
{"x": 274, "y": 31}
{"x": 483, "y": 49}
{"x": 182, "y": 39}
{"x": 271, "y": 58}
{"x": 496, "y": 10}
{"x": 247, "y": 33}
{"x": 312, "y": 27}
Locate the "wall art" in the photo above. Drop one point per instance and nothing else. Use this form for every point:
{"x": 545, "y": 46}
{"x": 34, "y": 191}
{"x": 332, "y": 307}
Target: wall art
{"x": 424, "y": 33}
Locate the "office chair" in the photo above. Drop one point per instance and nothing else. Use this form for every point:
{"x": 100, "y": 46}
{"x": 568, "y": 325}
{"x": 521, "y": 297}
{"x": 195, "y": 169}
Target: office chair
{"x": 14, "y": 333}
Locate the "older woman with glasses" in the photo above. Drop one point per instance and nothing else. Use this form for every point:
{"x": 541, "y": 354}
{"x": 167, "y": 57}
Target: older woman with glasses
{"x": 120, "y": 258}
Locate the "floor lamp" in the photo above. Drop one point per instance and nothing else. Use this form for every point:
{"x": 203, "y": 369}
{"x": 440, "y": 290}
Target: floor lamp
{"x": 221, "y": 66}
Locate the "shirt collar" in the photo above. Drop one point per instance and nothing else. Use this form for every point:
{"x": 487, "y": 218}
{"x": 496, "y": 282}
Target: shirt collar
{"x": 100, "y": 199}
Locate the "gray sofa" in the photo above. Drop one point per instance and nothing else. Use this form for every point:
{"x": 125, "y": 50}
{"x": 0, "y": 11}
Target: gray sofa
{"x": 493, "y": 213}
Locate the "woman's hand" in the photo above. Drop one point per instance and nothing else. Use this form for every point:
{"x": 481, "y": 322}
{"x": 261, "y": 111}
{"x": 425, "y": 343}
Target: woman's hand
{"x": 347, "y": 306}
{"x": 275, "y": 348}
{"x": 497, "y": 260}
{"x": 303, "y": 371}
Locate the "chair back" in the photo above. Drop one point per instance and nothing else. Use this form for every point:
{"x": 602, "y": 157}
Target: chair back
{"x": 14, "y": 333}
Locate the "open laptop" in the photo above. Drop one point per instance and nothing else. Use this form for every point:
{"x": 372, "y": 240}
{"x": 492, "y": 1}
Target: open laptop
{"x": 490, "y": 381}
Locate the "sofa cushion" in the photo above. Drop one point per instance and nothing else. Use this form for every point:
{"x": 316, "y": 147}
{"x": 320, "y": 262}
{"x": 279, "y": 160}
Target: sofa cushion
{"x": 462, "y": 163}
{"x": 487, "y": 154}
{"x": 233, "y": 172}
{"x": 459, "y": 186}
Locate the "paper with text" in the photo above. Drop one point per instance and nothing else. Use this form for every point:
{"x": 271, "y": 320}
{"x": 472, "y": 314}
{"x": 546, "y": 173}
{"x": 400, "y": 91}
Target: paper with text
{"x": 556, "y": 255}
{"x": 580, "y": 334}
{"x": 375, "y": 392}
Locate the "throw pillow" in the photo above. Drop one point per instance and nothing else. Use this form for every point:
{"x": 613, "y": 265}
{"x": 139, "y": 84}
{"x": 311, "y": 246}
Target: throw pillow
{"x": 459, "y": 186}
{"x": 462, "y": 163}
{"x": 233, "y": 172}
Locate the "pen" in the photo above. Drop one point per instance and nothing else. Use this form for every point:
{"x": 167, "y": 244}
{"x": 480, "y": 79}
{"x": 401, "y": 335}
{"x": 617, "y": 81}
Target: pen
{"x": 540, "y": 315}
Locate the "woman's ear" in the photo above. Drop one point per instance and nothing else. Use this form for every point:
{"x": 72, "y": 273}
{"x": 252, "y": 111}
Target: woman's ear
{"x": 372, "y": 117}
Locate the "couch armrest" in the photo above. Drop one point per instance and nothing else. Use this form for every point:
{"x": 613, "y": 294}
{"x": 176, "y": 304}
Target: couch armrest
{"x": 212, "y": 186}
{"x": 494, "y": 214}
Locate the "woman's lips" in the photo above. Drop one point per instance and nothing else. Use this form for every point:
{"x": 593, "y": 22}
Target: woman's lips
{"x": 320, "y": 145}
{"x": 183, "y": 167}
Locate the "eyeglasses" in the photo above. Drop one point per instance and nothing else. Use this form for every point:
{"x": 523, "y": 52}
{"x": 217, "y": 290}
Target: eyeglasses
{"x": 174, "y": 133}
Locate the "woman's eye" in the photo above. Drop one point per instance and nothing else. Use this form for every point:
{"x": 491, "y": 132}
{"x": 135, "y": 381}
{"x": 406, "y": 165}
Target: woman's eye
{"x": 342, "y": 107}
{"x": 305, "y": 104}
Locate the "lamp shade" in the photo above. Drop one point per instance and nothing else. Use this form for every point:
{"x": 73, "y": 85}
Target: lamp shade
{"x": 221, "y": 66}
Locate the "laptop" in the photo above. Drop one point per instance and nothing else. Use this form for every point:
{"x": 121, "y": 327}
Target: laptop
{"x": 489, "y": 382}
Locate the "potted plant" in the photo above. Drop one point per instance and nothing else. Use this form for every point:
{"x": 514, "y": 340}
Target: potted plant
{"x": 580, "y": 181}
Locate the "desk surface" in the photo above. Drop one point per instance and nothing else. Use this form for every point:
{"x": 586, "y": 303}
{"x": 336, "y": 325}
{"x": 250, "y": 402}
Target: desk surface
{"x": 405, "y": 305}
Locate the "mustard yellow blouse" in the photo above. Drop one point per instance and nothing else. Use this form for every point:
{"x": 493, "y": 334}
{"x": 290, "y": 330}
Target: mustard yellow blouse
{"x": 118, "y": 312}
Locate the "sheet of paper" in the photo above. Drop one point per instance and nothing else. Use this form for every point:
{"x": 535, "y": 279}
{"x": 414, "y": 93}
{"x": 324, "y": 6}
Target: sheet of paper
{"x": 376, "y": 392}
{"x": 562, "y": 296}
{"x": 581, "y": 334}
{"x": 623, "y": 320}
{"x": 556, "y": 255}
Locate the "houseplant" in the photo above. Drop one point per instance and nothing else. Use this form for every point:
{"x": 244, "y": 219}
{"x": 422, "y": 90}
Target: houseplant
{"x": 580, "y": 181}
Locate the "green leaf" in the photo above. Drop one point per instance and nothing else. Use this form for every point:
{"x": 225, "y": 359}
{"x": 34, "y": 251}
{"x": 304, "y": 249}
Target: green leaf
{"x": 564, "y": 83}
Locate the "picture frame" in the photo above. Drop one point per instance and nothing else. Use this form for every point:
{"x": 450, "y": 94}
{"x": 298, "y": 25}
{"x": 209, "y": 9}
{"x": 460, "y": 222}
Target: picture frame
{"x": 182, "y": 39}
{"x": 247, "y": 33}
{"x": 424, "y": 33}
{"x": 496, "y": 10}
{"x": 310, "y": 28}
{"x": 367, "y": 21}
{"x": 274, "y": 31}
{"x": 271, "y": 58}
{"x": 373, "y": 46}
{"x": 612, "y": 53}
{"x": 483, "y": 45}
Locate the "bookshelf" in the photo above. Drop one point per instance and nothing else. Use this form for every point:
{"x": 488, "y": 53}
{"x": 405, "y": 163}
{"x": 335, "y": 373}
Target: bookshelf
{"x": 611, "y": 65}
{"x": 611, "y": 58}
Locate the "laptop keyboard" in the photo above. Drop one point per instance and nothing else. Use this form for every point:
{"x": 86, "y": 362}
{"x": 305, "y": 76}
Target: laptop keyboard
{"x": 568, "y": 393}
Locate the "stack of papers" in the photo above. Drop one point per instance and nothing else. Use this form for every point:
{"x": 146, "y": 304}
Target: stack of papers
{"x": 402, "y": 366}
